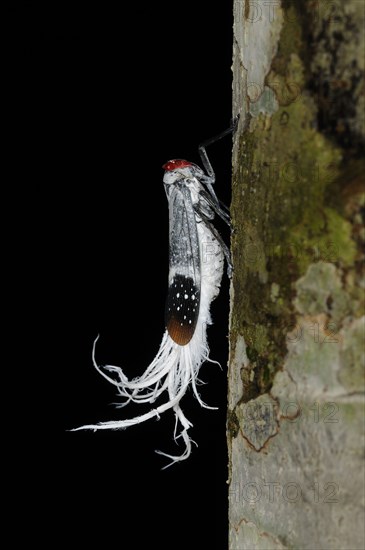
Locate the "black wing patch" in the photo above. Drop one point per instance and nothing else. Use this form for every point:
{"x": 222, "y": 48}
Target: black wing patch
{"x": 182, "y": 309}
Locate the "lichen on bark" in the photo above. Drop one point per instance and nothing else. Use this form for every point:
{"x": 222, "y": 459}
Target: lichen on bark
{"x": 298, "y": 288}
{"x": 285, "y": 203}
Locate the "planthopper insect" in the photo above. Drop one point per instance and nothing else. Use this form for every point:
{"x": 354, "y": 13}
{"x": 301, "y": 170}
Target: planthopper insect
{"x": 196, "y": 261}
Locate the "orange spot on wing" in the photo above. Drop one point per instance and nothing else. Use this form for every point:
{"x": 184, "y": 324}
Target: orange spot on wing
{"x": 180, "y": 334}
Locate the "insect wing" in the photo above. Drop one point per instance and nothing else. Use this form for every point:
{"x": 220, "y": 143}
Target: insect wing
{"x": 183, "y": 299}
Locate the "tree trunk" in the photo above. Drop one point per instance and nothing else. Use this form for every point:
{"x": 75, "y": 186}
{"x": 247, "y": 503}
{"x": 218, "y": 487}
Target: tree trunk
{"x": 296, "y": 374}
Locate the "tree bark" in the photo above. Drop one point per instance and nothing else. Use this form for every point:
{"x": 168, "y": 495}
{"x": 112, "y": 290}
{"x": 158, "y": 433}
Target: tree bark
{"x": 296, "y": 368}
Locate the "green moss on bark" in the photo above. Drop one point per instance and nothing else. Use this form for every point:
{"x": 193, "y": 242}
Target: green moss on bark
{"x": 286, "y": 210}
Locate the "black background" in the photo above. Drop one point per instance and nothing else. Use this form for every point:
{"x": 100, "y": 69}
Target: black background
{"x": 106, "y": 96}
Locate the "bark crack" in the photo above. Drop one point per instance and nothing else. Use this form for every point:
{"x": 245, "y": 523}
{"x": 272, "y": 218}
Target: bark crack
{"x": 265, "y": 534}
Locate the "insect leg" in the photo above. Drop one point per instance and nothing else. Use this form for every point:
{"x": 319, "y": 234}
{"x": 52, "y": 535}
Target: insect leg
{"x": 217, "y": 236}
{"x": 210, "y": 179}
{"x": 202, "y": 152}
{"x": 219, "y": 208}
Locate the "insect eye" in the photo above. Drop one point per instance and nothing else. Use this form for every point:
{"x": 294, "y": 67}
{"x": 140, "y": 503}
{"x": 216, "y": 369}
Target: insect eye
{"x": 175, "y": 164}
